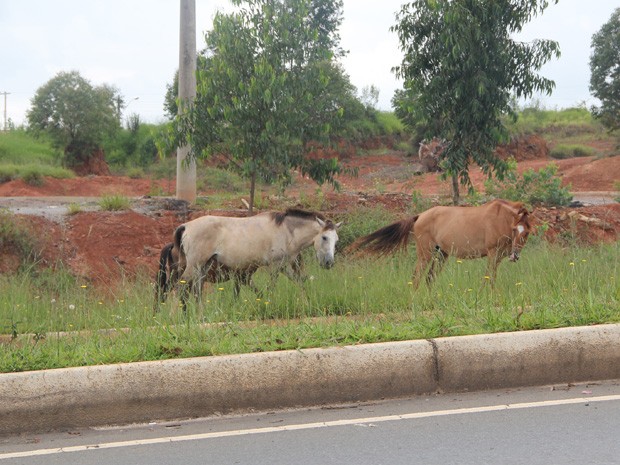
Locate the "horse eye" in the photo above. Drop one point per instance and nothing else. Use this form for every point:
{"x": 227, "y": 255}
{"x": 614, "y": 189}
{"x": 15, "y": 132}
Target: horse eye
{"x": 324, "y": 238}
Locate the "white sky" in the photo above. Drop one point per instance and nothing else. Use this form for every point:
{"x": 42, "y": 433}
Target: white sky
{"x": 133, "y": 45}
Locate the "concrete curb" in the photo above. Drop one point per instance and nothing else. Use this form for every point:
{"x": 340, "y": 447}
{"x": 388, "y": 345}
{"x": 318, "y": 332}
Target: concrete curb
{"x": 189, "y": 388}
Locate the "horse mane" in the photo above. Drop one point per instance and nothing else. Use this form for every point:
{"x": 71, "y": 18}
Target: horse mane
{"x": 518, "y": 208}
{"x": 279, "y": 217}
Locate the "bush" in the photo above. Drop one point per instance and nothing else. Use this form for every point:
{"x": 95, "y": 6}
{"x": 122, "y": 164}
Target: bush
{"x": 389, "y": 123}
{"x": 17, "y": 238}
{"x": 564, "y": 151}
{"x": 220, "y": 179}
{"x": 533, "y": 187}
{"x": 114, "y": 203}
{"x": 8, "y": 173}
{"x": 32, "y": 177}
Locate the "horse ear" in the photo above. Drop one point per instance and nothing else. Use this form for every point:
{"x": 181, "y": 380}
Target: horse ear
{"x": 321, "y": 222}
{"x": 337, "y": 225}
{"x": 522, "y": 214}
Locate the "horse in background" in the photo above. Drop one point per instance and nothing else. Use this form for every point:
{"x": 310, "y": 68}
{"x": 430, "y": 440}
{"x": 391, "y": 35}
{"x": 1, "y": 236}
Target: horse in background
{"x": 495, "y": 230}
{"x": 216, "y": 249}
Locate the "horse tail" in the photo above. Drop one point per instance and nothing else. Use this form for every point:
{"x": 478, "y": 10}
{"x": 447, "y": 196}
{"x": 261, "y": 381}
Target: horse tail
{"x": 165, "y": 260}
{"x": 162, "y": 281}
{"x": 387, "y": 239}
{"x": 178, "y": 235}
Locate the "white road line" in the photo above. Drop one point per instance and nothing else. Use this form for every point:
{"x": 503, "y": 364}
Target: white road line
{"x": 304, "y": 426}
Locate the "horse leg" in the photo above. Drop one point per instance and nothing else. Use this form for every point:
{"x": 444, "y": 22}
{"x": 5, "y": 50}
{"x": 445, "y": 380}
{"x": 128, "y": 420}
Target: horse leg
{"x": 250, "y": 283}
{"x": 425, "y": 255}
{"x": 492, "y": 263}
{"x": 184, "y": 294}
{"x": 245, "y": 278}
{"x": 438, "y": 260}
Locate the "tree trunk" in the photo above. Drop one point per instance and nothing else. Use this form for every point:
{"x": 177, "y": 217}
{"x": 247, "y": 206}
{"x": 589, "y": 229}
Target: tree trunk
{"x": 455, "y": 189}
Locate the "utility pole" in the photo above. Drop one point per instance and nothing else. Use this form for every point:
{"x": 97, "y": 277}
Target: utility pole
{"x": 4, "y": 127}
{"x": 186, "y": 165}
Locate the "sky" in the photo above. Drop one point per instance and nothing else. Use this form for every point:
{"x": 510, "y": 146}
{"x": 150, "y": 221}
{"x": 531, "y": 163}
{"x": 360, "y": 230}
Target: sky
{"x": 134, "y": 45}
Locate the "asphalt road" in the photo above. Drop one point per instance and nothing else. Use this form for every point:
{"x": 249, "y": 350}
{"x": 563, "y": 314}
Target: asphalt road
{"x": 577, "y": 424}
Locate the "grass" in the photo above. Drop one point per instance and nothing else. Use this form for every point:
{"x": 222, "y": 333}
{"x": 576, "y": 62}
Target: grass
{"x": 361, "y": 301}
{"x": 114, "y": 203}
{"x": 27, "y": 158}
{"x": 563, "y": 151}
{"x": 32, "y": 173}
{"x": 18, "y": 147}
{"x": 18, "y": 238}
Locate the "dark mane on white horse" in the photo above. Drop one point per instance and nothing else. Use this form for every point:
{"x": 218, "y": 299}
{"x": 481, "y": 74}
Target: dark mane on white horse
{"x": 279, "y": 217}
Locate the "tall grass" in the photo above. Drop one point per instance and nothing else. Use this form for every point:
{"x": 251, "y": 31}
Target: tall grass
{"x": 18, "y": 147}
{"x": 360, "y": 301}
{"x": 533, "y": 119}
{"x": 23, "y": 156}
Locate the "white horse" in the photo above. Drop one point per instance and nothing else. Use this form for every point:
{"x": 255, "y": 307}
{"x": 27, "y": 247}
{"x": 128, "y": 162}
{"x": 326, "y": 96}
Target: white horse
{"x": 216, "y": 249}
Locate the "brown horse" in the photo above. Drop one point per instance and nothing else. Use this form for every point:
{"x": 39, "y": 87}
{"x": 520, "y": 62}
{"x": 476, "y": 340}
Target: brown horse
{"x": 216, "y": 249}
{"x": 495, "y": 230}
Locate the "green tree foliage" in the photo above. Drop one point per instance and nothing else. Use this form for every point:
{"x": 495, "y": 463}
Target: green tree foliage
{"x": 462, "y": 69}
{"x": 605, "y": 69}
{"x": 268, "y": 85}
{"x": 77, "y": 116}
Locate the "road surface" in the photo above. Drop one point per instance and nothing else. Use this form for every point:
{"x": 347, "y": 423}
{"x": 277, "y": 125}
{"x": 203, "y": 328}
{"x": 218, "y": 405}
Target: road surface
{"x": 549, "y": 425}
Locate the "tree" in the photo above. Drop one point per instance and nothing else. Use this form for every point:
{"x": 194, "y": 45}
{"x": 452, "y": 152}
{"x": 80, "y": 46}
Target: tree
{"x": 404, "y": 103}
{"x": 605, "y": 68}
{"x": 266, "y": 89}
{"x": 76, "y": 115}
{"x": 463, "y": 67}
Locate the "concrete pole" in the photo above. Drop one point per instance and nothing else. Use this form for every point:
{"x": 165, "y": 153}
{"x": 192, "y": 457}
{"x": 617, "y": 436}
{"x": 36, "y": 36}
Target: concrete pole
{"x": 186, "y": 167}
{"x": 4, "y": 127}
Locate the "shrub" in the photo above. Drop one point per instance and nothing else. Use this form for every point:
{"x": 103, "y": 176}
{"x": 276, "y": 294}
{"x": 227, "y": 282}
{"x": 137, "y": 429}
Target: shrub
{"x": 114, "y": 203}
{"x": 32, "y": 177}
{"x": 389, "y": 123}
{"x": 563, "y": 151}
{"x": 17, "y": 238}
{"x": 221, "y": 179}
{"x": 8, "y": 173}
{"x": 533, "y": 187}
{"x": 135, "y": 173}
{"x": 74, "y": 208}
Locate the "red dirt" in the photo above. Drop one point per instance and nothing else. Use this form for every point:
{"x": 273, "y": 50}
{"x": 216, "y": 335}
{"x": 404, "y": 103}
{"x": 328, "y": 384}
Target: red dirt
{"x": 104, "y": 247}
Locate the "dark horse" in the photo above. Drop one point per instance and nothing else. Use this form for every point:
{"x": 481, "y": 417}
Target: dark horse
{"x": 496, "y": 230}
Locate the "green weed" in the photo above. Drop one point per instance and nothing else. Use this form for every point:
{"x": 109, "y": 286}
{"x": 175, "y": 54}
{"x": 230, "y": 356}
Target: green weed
{"x": 114, "y": 203}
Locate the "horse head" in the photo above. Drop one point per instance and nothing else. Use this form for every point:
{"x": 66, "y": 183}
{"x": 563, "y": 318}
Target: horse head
{"x": 521, "y": 229}
{"x": 325, "y": 242}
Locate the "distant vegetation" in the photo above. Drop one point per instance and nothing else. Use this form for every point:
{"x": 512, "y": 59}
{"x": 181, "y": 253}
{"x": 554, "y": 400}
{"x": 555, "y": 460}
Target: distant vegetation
{"x": 567, "y": 126}
{"x": 23, "y": 156}
{"x": 134, "y": 152}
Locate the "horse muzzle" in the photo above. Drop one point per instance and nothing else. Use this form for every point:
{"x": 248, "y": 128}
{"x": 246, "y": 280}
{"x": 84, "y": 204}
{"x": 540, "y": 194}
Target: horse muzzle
{"x": 327, "y": 264}
{"x": 514, "y": 256}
